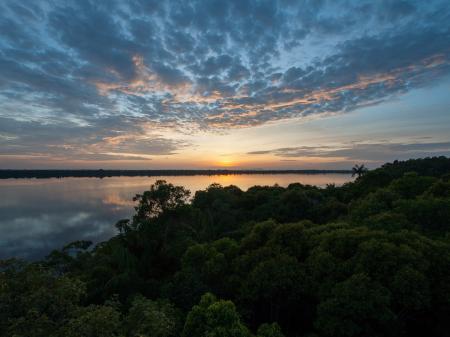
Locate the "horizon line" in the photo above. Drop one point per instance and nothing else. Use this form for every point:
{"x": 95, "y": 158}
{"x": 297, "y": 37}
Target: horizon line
{"x": 86, "y": 173}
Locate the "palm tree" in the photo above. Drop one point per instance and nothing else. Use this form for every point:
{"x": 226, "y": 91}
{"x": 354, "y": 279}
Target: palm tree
{"x": 359, "y": 170}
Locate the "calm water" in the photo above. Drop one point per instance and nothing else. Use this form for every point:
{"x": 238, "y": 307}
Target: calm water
{"x": 37, "y": 216}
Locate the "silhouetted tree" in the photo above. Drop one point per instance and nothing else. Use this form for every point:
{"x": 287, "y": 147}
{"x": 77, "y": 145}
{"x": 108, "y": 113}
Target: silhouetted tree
{"x": 359, "y": 170}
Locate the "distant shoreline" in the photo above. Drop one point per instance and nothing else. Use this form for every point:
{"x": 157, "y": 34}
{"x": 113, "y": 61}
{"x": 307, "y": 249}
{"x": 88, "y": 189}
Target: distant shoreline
{"x": 43, "y": 174}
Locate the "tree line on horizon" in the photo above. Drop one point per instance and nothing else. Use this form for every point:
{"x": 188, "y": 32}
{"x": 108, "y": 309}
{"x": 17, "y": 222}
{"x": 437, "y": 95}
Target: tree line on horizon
{"x": 88, "y": 173}
{"x": 369, "y": 258}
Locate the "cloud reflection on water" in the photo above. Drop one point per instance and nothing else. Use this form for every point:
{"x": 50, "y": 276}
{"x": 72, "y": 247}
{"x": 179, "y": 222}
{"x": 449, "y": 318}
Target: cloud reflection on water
{"x": 40, "y": 215}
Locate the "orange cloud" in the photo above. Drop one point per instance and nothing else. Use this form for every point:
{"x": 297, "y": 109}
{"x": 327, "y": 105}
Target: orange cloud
{"x": 232, "y": 114}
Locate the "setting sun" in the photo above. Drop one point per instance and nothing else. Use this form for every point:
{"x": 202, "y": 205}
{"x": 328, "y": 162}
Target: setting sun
{"x": 226, "y": 162}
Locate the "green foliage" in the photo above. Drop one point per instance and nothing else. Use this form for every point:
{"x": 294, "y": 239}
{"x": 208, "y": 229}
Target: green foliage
{"x": 269, "y": 330}
{"x": 370, "y": 258}
{"x": 148, "y": 318}
{"x": 162, "y": 197}
{"x": 34, "y": 301}
{"x": 411, "y": 185}
{"x": 357, "y": 306}
{"x": 214, "y": 318}
{"x": 94, "y": 321}
{"x": 430, "y": 214}
{"x": 373, "y": 204}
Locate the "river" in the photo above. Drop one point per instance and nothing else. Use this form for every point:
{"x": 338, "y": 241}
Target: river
{"x": 39, "y": 215}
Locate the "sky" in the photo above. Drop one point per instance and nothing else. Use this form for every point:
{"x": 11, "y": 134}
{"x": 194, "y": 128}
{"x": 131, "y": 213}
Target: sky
{"x": 223, "y": 84}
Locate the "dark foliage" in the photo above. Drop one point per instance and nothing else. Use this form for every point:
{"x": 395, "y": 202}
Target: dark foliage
{"x": 44, "y": 174}
{"x": 370, "y": 258}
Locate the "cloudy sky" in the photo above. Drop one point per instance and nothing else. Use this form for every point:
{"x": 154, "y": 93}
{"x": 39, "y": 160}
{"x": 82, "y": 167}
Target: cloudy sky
{"x": 213, "y": 83}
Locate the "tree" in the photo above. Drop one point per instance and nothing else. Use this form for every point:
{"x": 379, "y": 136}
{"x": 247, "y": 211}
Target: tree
{"x": 371, "y": 260}
{"x": 214, "y": 318}
{"x": 147, "y": 318}
{"x": 359, "y": 170}
{"x": 162, "y": 197}
{"x": 94, "y": 321}
{"x": 273, "y": 286}
{"x": 269, "y": 330}
{"x": 357, "y": 307}
{"x": 35, "y": 301}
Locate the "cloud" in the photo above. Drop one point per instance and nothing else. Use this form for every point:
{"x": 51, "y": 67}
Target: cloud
{"x": 99, "y": 142}
{"x": 40, "y": 229}
{"x": 207, "y": 64}
{"x": 370, "y": 152}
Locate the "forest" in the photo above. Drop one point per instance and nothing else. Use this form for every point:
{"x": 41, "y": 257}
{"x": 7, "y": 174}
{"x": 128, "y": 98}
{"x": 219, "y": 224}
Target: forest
{"x": 369, "y": 258}
{"x": 45, "y": 174}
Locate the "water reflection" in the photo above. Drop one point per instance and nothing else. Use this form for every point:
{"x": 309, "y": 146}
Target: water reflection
{"x": 40, "y": 215}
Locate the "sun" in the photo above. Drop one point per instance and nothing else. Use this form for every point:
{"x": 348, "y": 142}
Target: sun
{"x": 226, "y": 162}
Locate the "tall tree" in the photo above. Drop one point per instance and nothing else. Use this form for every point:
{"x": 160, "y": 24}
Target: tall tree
{"x": 359, "y": 170}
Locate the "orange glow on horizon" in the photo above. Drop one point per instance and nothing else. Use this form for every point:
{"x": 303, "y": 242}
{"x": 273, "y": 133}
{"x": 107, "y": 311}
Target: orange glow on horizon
{"x": 226, "y": 163}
